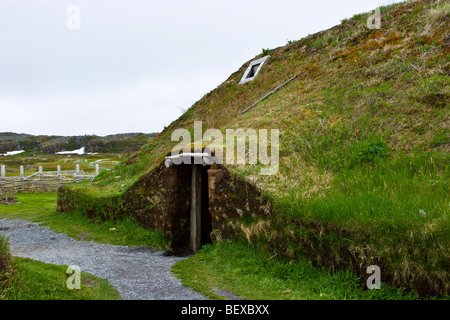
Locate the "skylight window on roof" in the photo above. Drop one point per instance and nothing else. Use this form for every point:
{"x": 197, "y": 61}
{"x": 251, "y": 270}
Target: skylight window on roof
{"x": 253, "y": 69}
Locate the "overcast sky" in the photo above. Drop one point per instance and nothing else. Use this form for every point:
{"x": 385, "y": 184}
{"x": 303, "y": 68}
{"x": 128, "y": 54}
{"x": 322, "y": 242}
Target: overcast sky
{"x": 133, "y": 66}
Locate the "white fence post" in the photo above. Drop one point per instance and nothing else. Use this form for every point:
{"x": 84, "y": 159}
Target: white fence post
{"x": 21, "y": 172}
{"x": 58, "y": 173}
{"x": 97, "y": 169}
{"x": 3, "y": 175}
{"x": 77, "y": 171}
{"x": 40, "y": 172}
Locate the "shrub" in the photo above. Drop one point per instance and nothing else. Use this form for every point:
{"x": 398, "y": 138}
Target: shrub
{"x": 369, "y": 151}
{"x": 7, "y": 197}
{"x": 265, "y": 52}
{"x": 5, "y": 266}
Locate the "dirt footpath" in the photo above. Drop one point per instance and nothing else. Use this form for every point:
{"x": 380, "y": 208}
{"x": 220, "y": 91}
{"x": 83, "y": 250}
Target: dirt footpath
{"x": 138, "y": 273}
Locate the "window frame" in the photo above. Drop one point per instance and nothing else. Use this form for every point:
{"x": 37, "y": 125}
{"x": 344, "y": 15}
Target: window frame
{"x": 245, "y": 78}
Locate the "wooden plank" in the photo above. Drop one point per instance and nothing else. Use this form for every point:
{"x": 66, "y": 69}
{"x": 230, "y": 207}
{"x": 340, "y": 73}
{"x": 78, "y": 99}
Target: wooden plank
{"x": 196, "y": 207}
{"x": 270, "y": 93}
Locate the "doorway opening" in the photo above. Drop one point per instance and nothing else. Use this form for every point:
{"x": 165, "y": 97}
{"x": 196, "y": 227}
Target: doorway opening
{"x": 188, "y": 205}
{"x": 200, "y": 215}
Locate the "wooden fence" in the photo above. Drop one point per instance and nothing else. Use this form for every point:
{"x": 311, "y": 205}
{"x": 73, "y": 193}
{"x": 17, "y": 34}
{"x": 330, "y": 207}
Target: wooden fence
{"x": 43, "y": 181}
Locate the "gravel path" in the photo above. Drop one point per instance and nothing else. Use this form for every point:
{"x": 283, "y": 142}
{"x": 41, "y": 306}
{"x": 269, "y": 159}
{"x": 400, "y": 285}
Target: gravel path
{"x": 138, "y": 273}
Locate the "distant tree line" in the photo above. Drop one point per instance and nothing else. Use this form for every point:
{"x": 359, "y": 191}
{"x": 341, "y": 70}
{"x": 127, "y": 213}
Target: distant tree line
{"x": 117, "y": 143}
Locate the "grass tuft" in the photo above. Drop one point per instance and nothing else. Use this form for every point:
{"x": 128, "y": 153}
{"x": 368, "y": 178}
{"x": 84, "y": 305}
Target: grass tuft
{"x": 34, "y": 280}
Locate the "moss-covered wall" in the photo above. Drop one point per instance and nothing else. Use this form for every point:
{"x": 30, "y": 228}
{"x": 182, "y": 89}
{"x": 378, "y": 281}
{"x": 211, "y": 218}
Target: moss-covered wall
{"x": 234, "y": 204}
{"x": 159, "y": 200}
